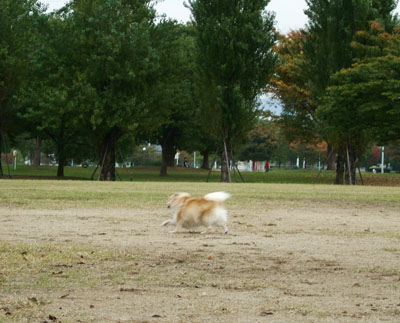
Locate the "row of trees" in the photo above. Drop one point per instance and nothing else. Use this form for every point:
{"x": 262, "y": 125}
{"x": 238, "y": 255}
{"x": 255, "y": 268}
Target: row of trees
{"x": 339, "y": 79}
{"x": 99, "y": 75}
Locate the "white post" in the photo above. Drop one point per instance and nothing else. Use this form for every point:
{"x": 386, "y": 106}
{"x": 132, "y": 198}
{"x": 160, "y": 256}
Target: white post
{"x": 15, "y": 153}
{"x": 298, "y": 162}
{"x": 177, "y": 158}
{"x": 383, "y": 160}
{"x": 194, "y": 161}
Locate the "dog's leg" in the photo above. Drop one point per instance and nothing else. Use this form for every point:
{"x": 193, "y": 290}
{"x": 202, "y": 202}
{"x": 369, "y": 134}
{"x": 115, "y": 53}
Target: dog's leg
{"x": 166, "y": 222}
{"x": 225, "y": 229}
{"x": 207, "y": 230}
{"x": 177, "y": 228}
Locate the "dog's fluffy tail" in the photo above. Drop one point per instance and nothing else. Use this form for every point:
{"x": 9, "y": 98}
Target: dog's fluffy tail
{"x": 217, "y": 196}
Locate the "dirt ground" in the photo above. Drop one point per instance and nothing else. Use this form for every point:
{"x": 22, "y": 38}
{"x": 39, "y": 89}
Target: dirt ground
{"x": 306, "y": 263}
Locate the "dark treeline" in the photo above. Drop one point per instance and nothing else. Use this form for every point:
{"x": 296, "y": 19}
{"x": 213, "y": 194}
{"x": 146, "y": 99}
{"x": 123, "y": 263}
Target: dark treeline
{"x": 99, "y": 76}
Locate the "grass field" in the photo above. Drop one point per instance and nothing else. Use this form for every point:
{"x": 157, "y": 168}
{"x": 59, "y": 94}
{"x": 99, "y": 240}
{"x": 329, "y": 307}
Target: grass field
{"x": 88, "y": 251}
{"x": 179, "y": 174}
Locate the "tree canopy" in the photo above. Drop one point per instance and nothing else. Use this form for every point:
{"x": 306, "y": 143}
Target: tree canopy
{"x": 19, "y": 21}
{"x": 114, "y": 63}
{"x": 235, "y": 42}
{"x": 101, "y": 75}
{"x": 364, "y": 99}
{"x": 317, "y": 78}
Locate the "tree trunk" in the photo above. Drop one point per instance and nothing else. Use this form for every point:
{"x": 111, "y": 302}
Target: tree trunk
{"x": 225, "y": 165}
{"x": 1, "y": 167}
{"x": 332, "y": 157}
{"x": 340, "y": 167}
{"x": 61, "y": 160}
{"x": 206, "y": 159}
{"x": 1, "y": 150}
{"x": 350, "y": 165}
{"x": 168, "y": 156}
{"x": 37, "y": 152}
{"x": 61, "y": 149}
{"x": 60, "y": 169}
{"x": 107, "y": 154}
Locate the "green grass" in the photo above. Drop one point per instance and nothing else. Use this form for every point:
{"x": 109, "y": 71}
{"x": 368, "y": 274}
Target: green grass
{"x": 94, "y": 194}
{"x": 31, "y": 272}
{"x": 179, "y": 174}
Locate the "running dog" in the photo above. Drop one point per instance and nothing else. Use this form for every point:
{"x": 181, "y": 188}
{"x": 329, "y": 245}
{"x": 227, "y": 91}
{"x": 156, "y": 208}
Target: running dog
{"x": 190, "y": 212}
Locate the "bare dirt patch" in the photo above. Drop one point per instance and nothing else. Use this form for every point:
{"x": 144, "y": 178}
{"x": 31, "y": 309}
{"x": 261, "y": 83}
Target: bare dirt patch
{"x": 308, "y": 262}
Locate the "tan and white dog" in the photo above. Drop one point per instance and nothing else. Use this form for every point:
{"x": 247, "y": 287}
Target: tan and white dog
{"x": 190, "y": 212}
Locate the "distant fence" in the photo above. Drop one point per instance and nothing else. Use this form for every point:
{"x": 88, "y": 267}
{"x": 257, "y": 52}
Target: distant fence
{"x": 259, "y": 166}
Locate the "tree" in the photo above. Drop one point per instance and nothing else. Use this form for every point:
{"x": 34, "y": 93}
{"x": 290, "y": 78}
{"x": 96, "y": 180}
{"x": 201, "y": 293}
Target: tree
{"x": 393, "y": 150}
{"x": 290, "y": 84}
{"x": 383, "y": 13}
{"x": 262, "y": 143}
{"x": 362, "y": 104}
{"x": 172, "y": 101}
{"x": 234, "y": 40}
{"x": 328, "y": 49}
{"x": 114, "y": 63}
{"x": 332, "y": 25}
{"x": 18, "y": 22}
{"x": 48, "y": 101}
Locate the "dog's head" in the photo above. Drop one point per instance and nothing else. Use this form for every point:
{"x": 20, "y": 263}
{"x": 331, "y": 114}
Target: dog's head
{"x": 177, "y": 201}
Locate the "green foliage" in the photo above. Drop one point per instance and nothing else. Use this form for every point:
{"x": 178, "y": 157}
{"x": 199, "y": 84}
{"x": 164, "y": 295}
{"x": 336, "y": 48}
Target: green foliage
{"x": 234, "y": 40}
{"x": 363, "y": 101}
{"x": 235, "y": 57}
{"x": 262, "y": 143}
{"x": 48, "y": 101}
{"x": 172, "y": 101}
{"x": 19, "y": 20}
{"x": 383, "y": 13}
{"x": 332, "y": 27}
{"x": 113, "y": 57}
{"x": 290, "y": 83}
{"x": 329, "y": 50}
{"x": 114, "y": 64}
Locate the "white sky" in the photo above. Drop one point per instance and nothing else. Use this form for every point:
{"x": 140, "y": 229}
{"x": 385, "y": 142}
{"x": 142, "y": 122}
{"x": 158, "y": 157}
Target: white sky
{"x": 289, "y": 13}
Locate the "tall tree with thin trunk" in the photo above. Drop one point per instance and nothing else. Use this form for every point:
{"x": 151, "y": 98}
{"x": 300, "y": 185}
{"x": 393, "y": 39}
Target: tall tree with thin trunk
{"x": 172, "y": 100}
{"x": 114, "y": 59}
{"x": 234, "y": 40}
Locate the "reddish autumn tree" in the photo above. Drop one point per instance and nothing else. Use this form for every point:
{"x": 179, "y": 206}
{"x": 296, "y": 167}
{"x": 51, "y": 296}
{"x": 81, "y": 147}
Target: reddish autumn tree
{"x": 375, "y": 155}
{"x": 291, "y": 85}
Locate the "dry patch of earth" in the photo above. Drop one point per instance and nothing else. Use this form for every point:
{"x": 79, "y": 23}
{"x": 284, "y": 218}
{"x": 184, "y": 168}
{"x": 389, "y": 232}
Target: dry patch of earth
{"x": 314, "y": 262}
